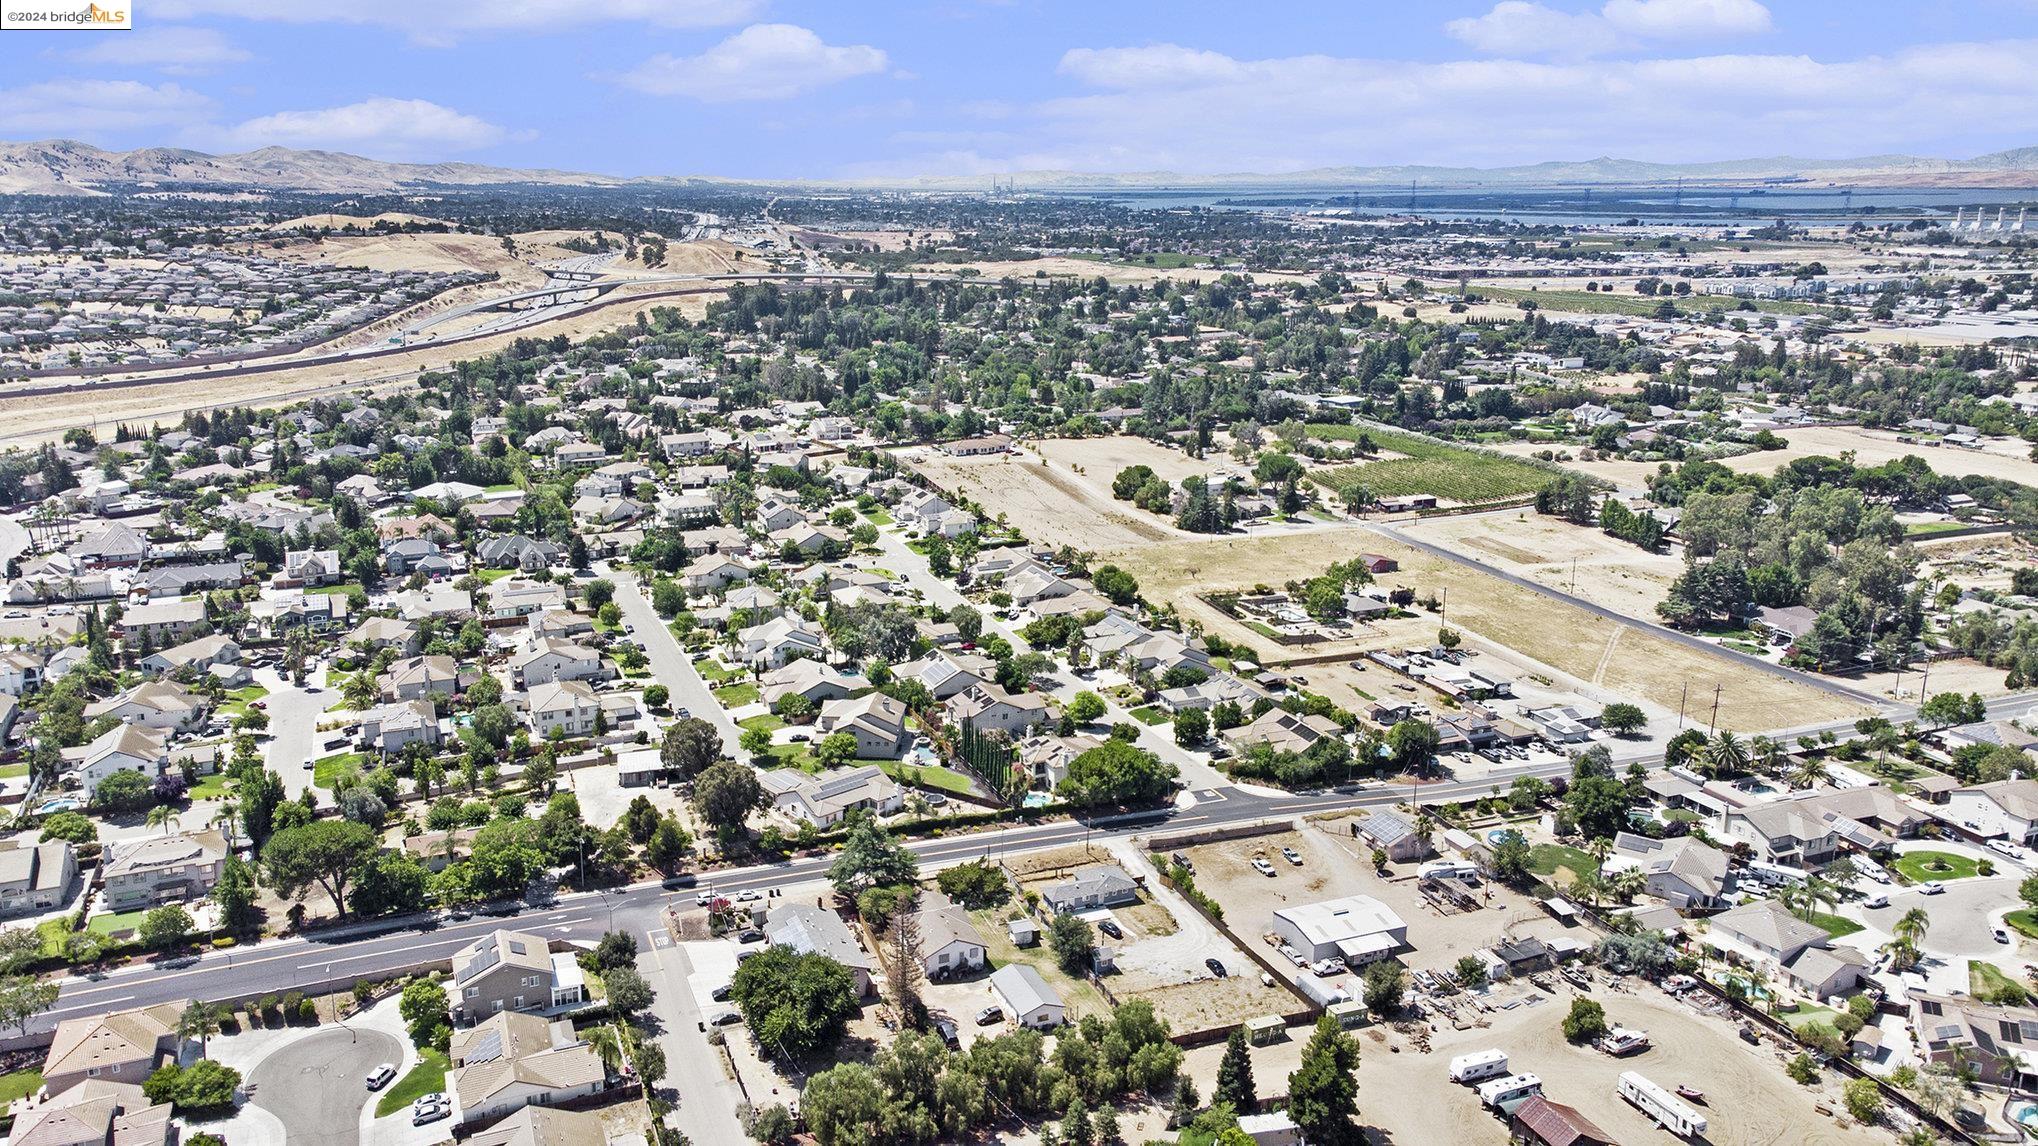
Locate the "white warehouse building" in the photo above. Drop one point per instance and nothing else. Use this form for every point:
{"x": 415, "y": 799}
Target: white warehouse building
{"x": 1357, "y": 928}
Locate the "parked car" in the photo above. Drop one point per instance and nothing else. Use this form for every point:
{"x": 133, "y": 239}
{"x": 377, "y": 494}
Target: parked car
{"x": 990, "y": 1016}
{"x": 720, "y": 994}
{"x": 1931, "y": 887}
{"x": 2001, "y": 933}
{"x": 726, "y": 1018}
{"x": 1261, "y": 865}
{"x": 1292, "y": 856}
{"x": 380, "y": 1076}
{"x": 750, "y": 935}
{"x": 423, "y": 1113}
{"x": 1111, "y": 928}
{"x": 949, "y": 1034}
{"x": 1216, "y": 968}
{"x": 1876, "y": 900}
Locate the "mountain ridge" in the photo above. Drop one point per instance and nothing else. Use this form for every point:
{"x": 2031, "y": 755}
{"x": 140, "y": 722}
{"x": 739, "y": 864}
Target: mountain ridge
{"x": 68, "y": 167}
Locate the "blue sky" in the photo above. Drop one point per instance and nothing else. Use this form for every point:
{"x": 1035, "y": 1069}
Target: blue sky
{"x": 790, "y": 89}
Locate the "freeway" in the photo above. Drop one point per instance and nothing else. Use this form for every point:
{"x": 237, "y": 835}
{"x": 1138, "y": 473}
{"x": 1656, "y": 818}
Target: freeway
{"x": 1823, "y": 684}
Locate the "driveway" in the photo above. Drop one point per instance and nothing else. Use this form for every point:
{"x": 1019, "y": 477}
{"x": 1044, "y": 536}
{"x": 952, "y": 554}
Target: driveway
{"x": 314, "y": 1086}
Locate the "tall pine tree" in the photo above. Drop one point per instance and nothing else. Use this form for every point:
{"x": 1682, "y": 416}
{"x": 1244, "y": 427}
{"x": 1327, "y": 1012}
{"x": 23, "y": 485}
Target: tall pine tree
{"x": 1235, "y": 1075}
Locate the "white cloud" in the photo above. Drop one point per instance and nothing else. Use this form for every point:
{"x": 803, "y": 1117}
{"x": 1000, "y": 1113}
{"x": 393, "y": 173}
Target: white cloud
{"x": 1687, "y": 19}
{"x": 1527, "y": 28}
{"x": 72, "y": 108}
{"x": 1523, "y": 28}
{"x": 1294, "y": 113}
{"x": 763, "y": 61}
{"x": 445, "y": 21}
{"x": 171, "y": 48}
{"x": 380, "y": 127}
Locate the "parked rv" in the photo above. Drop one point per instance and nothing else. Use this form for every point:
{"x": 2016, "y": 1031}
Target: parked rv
{"x": 1470, "y": 1068}
{"x": 1666, "y": 1109}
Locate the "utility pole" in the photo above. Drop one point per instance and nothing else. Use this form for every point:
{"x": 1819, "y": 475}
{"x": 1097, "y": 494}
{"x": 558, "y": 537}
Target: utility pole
{"x": 1712, "y": 725}
{"x": 1683, "y": 694}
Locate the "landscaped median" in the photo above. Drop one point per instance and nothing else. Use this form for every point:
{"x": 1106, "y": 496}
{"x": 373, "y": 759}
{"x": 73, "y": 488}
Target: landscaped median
{"x": 1930, "y": 866}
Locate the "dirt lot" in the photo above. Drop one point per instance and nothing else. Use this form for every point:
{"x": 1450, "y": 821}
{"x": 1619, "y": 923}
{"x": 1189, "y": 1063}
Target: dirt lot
{"x": 1751, "y": 1100}
{"x": 1551, "y": 551}
{"x": 1589, "y": 648}
{"x": 1977, "y": 562}
{"x": 1049, "y": 503}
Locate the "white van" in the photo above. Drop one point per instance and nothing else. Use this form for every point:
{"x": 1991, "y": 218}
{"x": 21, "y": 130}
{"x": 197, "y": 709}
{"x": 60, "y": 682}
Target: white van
{"x": 1479, "y": 1067}
{"x": 1506, "y": 1089}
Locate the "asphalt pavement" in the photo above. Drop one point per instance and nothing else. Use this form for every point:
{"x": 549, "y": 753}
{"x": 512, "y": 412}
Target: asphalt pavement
{"x": 316, "y": 1085}
{"x": 670, "y": 666}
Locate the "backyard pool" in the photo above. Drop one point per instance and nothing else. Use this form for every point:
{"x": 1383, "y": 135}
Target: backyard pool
{"x": 60, "y": 804}
{"x": 2024, "y": 1115}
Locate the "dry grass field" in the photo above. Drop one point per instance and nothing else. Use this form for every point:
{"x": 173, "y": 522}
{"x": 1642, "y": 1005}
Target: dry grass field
{"x": 1870, "y": 447}
{"x": 1582, "y": 645}
{"x": 1576, "y": 558}
{"x": 1051, "y": 503}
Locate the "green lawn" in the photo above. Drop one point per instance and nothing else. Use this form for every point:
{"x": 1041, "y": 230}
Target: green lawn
{"x": 1427, "y": 466}
{"x": 20, "y": 1084}
{"x": 799, "y": 756}
{"x": 1834, "y": 925}
{"x": 344, "y": 587}
{"x": 1151, "y": 715}
{"x": 1546, "y": 859}
{"x": 237, "y": 701}
{"x": 739, "y": 694}
{"x": 209, "y": 787}
{"x": 1987, "y": 981}
{"x": 427, "y": 1076}
{"x": 1932, "y": 528}
{"x": 1802, "y": 1016}
{"x": 1921, "y": 867}
{"x": 928, "y": 775}
{"x": 878, "y": 517}
{"x": 768, "y": 721}
{"x": 491, "y": 576}
{"x": 327, "y": 769}
{"x": 111, "y": 922}
{"x": 1610, "y": 302}
{"x": 13, "y": 771}
{"x": 2024, "y": 920}
{"x": 711, "y": 670}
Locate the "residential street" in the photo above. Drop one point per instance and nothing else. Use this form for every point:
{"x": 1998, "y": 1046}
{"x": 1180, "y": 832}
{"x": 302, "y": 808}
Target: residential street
{"x": 670, "y": 666}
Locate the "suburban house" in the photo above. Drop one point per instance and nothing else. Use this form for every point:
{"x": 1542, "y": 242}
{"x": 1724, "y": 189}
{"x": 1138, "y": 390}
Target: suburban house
{"x": 987, "y": 707}
{"x": 512, "y": 1060}
{"x": 122, "y": 748}
{"x": 876, "y": 721}
{"x": 544, "y": 1126}
{"x": 824, "y": 799}
{"x": 201, "y": 653}
{"x": 391, "y": 728}
{"x": 944, "y": 674}
{"x": 780, "y": 640}
{"x": 1099, "y": 885}
{"x": 156, "y": 623}
{"x": 807, "y": 930}
{"x": 815, "y": 680}
{"x": 569, "y": 706}
{"x": 553, "y": 658}
{"x": 513, "y": 971}
{"x": 1281, "y": 730}
{"x": 415, "y": 678}
{"x": 2000, "y": 1043}
{"x": 126, "y": 1046}
{"x": 97, "y": 1112}
{"x": 1802, "y": 952}
{"x": 2005, "y": 808}
{"x": 1688, "y": 874}
{"x": 1784, "y": 831}
{"x": 152, "y": 870}
{"x": 1027, "y": 997}
{"x": 949, "y": 942}
{"x": 37, "y": 877}
{"x": 158, "y": 704}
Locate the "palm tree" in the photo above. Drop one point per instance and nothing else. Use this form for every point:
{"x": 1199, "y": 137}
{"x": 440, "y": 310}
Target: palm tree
{"x": 200, "y": 1021}
{"x": 1809, "y": 771}
{"x": 1724, "y": 755}
{"x": 1819, "y": 893}
{"x": 1913, "y": 927}
{"x": 1767, "y": 755}
{"x": 162, "y": 816}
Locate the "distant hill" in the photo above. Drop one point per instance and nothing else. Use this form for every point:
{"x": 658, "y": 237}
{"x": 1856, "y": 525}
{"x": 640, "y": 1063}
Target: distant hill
{"x": 66, "y": 167}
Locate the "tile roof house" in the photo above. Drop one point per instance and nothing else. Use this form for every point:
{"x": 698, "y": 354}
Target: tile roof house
{"x": 512, "y": 1060}
{"x": 813, "y": 679}
{"x": 2005, "y": 808}
{"x": 512, "y": 971}
{"x": 159, "y": 704}
{"x": 391, "y": 728}
{"x": 97, "y": 1112}
{"x": 151, "y": 870}
{"x": 1686, "y": 873}
{"x": 417, "y": 678}
{"x": 877, "y": 721}
{"x": 986, "y": 706}
{"x": 125, "y": 1046}
{"x": 37, "y": 877}
{"x": 1802, "y": 952}
{"x": 825, "y": 799}
{"x": 1281, "y": 730}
